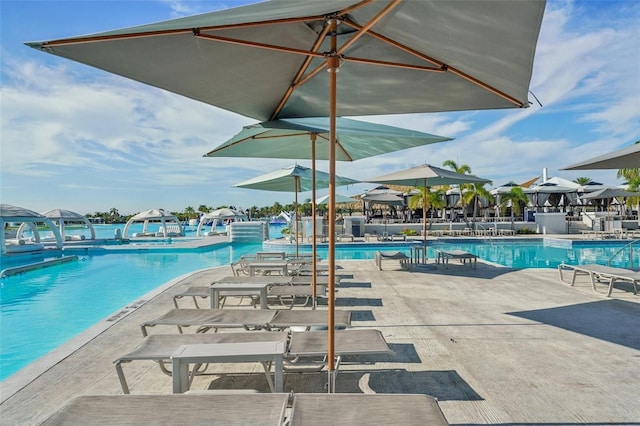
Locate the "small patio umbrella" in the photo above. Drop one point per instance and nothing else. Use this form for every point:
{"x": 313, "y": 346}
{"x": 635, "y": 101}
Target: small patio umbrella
{"x": 267, "y": 61}
{"x": 293, "y": 179}
{"x": 425, "y": 176}
{"x": 607, "y": 194}
{"x": 625, "y": 158}
{"x": 339, "y": 199}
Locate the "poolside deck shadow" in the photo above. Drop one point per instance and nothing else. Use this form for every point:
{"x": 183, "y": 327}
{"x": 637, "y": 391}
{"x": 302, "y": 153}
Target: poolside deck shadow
{"x": 354, "y": 284}
{"x": 482, "y": 271}
{"x": 362, "y": 315}
{"x": 353, "y": 301}
{"x": 445, "y": 385}
{"x": 608, "y": 320}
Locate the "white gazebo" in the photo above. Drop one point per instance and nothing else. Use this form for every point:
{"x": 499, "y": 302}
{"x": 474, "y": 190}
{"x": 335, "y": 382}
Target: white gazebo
{"x": 169, "y": 225}
{"x": 28, "y": 219}
{"x": 63, "y": 217}
{"x": 220, "y": 215}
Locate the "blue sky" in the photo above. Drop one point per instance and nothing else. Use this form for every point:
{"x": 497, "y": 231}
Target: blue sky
{"x": 77, "y": 138}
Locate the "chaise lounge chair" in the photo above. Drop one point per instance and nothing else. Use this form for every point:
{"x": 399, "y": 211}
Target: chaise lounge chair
{"x": 405, "y": 261}
{"x": 303, "y": 349}
{"x": 599, "y": 273}
{"x": 206, "y": 319}
{"x": 444, "y": 256}
{"x": 207, "y": 408}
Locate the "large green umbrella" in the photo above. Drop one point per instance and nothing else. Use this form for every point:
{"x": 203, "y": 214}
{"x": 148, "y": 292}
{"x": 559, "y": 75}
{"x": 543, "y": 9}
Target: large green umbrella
{"x": 425, "y": 176}
{"x": 293, "y": 179}
{"x": 268, "y": 61}
{"x": 308, "y": 138}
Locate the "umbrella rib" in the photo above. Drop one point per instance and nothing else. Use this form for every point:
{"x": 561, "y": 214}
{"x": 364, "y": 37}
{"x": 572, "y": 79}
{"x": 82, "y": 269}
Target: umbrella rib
{"x": 442, "y": 65}
{"x": 365, "y": 28}
{"x": 143, "y": 34}
{"x": 394, "y": 64}
{"x": 259, "y": 45}
{"x": 297, "y": 80}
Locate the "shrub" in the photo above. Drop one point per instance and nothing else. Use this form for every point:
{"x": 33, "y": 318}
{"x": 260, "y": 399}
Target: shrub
{"x": 526, "y": 231}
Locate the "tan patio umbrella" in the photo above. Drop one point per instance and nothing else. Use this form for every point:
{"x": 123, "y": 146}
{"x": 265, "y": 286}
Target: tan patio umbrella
{"x": 268, "y": 61}
{"x": 625, "y": 158}
{"x": 425, "y": 176}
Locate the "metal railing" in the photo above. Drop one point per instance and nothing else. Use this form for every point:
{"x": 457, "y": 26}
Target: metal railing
{"x": 629, "y": 247}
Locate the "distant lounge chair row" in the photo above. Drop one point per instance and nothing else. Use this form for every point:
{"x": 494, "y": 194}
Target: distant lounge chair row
{"x": 601, "y": 273}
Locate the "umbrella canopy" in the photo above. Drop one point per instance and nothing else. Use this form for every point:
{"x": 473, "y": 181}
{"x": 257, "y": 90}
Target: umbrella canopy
{"x": 292, "y": 179}
{"x": 384, "y": 198}
{"x": 426, "y": 176}
{"x": 339, "y": 199}
{"x": 625, "y": 158}
{"x": 609, "y": 193}
{"x": 292, "y": 138}
{"x": 67, "y": 216}
{"x": 263, "y": 60}
{"x": 267, "y": 61}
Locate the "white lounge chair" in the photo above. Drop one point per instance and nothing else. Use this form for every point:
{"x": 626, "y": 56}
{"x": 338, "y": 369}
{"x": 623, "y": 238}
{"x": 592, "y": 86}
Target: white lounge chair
{"x": 303, "y": 349}
{"x": 599, "y": 273}
{"x": 405, "y": 261}
{"x": 463, "y": 256}
{"x": 206, "y": 319}
{"x": 205, "y": 408}
{"x": 354, "y": 409}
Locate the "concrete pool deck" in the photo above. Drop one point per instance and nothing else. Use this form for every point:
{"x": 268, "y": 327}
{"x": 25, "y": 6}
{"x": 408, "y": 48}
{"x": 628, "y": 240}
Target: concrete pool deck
{"x": 494, "y": 345}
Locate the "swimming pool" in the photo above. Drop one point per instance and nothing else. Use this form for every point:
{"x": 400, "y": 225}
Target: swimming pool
{"x": 74, "y": 296}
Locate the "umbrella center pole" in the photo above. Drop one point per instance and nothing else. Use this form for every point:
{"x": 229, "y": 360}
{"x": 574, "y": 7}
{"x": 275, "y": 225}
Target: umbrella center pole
{"x": 332, "y": 67}
{"x": 313, "y": 222}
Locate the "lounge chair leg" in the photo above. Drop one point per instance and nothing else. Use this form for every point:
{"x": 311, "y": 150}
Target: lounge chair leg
{"x": 123, "y": 381}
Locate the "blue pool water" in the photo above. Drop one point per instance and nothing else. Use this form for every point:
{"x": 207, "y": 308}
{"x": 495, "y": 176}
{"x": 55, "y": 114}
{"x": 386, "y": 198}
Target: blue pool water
{"x": 42, "y": 309}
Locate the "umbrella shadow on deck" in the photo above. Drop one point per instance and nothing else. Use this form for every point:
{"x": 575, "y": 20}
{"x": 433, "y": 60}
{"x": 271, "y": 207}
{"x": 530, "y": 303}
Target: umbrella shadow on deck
{"x": 445, "y": 385}
{"x": 608, "y": 320}
{"x": 481, "y": 271}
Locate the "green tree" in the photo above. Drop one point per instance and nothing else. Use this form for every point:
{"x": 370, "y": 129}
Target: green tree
{"x": 516, "y": 198}
{"x": 476, "y": 191}
{"x": 203, "y": 208}
{"x": 427, "y": 199}
{"x": 632, "y": 176}
{"x": 463, "y": 169}
{"x": 189, "y": 212}
{"x": 582, "y": 180}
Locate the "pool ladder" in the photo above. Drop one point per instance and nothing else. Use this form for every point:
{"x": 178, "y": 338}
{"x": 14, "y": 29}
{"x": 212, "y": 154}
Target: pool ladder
{"x": 621, "y": 250}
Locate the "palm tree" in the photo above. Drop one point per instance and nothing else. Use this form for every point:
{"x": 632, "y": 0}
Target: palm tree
{"x": 632, "y": 176}
{"x": 475, "y": 193}
{"x": 517, "y": 198}
{"x": 427, "y": 199}
{"x": 203, "y": 208}
{"x": 189, "y": 212}
{"x": 582, "y": 180}
{"x": 463, "y": 169}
